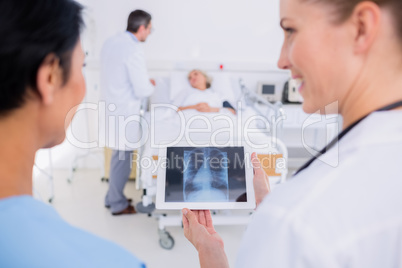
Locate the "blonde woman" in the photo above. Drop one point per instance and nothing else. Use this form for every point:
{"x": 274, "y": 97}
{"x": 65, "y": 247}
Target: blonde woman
{"x": 201, "y": 98}
{"x": 346, "y": 53}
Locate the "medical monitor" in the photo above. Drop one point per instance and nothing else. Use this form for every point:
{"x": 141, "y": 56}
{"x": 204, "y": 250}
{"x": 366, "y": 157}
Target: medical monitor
{"x": 270, "y": 91}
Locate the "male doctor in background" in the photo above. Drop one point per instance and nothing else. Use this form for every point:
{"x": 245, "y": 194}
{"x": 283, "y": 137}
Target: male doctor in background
{"x": 124, "y": 83}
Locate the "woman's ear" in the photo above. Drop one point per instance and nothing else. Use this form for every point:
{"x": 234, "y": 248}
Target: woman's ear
{"x": 49, "y": 78}
{"x": 366, "y": 18}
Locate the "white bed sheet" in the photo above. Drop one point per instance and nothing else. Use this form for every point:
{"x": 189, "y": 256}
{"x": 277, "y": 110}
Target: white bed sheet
{"x": 166, "y": 124}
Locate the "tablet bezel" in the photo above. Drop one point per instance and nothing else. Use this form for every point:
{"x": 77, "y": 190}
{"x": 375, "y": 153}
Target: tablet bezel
{"x": 161, "y": 182}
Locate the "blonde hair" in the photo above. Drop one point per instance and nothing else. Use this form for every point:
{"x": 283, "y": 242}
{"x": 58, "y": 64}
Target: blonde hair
{"x": 344, "y": 8}
{"x": 208, "y": 79}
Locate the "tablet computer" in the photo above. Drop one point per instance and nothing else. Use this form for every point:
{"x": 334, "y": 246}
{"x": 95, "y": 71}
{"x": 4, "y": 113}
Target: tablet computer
{"x": 205, "y": 177}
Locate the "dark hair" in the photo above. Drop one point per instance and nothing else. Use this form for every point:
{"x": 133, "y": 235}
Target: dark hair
{"x": 30, "y": 31}
{"x": 344, "y": 8}
{"x": 136, "y": 19}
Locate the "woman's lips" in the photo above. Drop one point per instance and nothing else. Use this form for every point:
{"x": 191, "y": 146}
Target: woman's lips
{"x": 301, "y": 87}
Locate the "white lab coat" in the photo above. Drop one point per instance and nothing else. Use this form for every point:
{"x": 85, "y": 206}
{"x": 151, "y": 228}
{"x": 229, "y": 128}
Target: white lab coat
{"x": 344, "y": 216}
{"x": 124, "y": 84}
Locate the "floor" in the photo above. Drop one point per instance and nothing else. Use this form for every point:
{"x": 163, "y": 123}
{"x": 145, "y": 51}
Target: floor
{"x": 81, "y": 204}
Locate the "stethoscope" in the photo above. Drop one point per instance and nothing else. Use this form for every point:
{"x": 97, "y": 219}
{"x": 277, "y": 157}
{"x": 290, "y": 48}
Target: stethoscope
{"x": 344, "y": 132}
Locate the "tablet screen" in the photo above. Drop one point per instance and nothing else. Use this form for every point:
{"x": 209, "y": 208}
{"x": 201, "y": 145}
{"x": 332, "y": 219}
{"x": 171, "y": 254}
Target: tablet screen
{"x": 205, "y": 174}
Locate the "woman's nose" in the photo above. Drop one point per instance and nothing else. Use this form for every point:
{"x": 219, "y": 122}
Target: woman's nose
{"x": 283, "y": 61}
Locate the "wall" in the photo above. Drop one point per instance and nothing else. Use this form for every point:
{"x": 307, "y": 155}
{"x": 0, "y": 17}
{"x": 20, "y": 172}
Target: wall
{"x": 209, "y": 30}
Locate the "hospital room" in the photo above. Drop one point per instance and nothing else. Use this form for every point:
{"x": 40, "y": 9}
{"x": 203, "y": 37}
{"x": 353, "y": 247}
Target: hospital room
{"x": 188, "y": 133}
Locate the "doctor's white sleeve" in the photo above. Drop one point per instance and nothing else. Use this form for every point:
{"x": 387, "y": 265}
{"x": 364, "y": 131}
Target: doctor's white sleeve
{"x": 271, "y": 240}
{"x": 138, "y": 75}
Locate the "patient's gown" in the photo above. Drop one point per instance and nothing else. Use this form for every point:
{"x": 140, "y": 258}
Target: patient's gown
{"x": 195, "y": 96}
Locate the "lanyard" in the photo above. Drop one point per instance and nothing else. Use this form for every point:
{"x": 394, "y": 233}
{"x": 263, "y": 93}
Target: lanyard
{"x": 344, "y": 132}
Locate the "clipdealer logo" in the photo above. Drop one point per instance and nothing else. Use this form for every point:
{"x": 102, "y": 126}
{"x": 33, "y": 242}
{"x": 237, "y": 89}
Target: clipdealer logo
{"x": 113, "y": 128}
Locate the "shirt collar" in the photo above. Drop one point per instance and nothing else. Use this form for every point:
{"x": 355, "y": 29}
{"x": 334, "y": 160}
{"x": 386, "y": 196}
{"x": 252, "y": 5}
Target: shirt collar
{"x": 132, "y": 36}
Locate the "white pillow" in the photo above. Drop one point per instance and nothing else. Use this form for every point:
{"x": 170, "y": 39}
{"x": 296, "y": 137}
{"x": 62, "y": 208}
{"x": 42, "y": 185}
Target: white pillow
{"x": 179, "y": 84}
{"x": 222, "y": 84}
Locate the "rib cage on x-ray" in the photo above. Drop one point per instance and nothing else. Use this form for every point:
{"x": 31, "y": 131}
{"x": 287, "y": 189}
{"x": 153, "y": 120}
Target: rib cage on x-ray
{"x": 206, "y": 175}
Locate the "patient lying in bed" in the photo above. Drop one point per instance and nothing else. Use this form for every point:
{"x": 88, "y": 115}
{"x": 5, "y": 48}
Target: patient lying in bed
{"x": 201, "y": 98}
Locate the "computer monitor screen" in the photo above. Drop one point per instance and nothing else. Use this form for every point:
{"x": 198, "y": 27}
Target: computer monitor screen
{"x": 268, "y": 89}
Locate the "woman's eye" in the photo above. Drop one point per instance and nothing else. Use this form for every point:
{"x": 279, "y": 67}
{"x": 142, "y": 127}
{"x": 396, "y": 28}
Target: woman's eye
{"x": 289, "y": 31}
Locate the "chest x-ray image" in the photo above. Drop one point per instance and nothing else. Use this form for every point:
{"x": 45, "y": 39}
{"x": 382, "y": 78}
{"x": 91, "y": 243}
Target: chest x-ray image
{"x": 205, "y": 174}
{"x": 205, "y": 177}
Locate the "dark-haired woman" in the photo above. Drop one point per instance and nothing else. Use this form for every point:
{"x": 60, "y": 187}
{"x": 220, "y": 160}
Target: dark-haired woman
{"x": 41, "y": 82}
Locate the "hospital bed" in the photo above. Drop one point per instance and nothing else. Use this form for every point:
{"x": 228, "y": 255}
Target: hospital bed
{"x": 165, "y": 125}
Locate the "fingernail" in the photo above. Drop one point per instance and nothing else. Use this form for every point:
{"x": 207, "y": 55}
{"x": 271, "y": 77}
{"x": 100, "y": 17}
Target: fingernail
{"x": 184, "y": 211}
